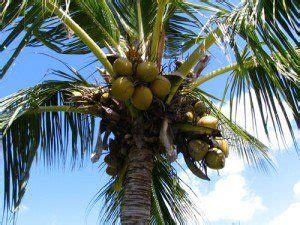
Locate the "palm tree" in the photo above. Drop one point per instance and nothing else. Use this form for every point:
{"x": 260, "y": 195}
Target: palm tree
{"x": 150, "y": 106}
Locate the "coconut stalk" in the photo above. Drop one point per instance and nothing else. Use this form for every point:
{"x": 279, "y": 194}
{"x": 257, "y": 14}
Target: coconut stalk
{"x": 193, "y": 59}
{"x": 111, "y": 40}
{"x": 140, "y": 27}
{"x": 63, "y": 108}
{"x": 157, "y": 29}
{"x": 247, "y": 64}
{"x": 83, "y": 36}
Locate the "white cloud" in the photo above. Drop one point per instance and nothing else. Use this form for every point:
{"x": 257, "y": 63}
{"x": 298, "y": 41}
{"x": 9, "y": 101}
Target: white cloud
{"x": 233, "y": 165}
{"x": 296, "y": 190}
{"x": 229, "y": 199}
{"x": 291, "y": 215}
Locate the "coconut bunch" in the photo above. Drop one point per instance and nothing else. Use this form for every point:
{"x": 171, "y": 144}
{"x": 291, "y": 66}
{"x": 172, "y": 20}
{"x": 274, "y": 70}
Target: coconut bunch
{"x": 87, "y": 96}
{"x": 190, "y": 129}
{"x": 200, "y": 139}
{"x": 138, "y": 82}
{"x": 115, "y": 159}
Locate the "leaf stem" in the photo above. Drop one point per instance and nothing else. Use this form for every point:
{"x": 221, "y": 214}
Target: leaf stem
{"x": 157, "y": 28}
{"x": 62, "y": 108}
{"x": 192, "y": 60}
{"x": 83, "y": 36}
{"x": 198, "y": 53}
{"x": 140, "y": 27}
{"x": 215, "y": 73}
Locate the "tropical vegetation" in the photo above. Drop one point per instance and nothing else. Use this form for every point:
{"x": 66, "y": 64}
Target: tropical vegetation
{"x": 149, "y": 107}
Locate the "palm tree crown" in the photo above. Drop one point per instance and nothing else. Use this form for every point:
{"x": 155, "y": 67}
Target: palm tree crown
{"x": 151, "y": 105}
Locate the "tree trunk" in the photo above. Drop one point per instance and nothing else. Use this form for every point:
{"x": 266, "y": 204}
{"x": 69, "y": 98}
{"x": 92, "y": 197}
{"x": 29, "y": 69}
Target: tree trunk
{"x": 136, "y": 204}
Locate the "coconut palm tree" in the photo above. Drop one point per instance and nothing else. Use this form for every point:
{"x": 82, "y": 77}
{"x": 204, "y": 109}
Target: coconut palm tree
{"x": 149, "y": 105}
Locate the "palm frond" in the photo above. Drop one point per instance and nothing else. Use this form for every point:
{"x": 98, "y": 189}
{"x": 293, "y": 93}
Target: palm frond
{"x": 41, "y": 27}
{"x": 31, "y": 129}
{"x": 170, "y": 201}
{"x": 126, "y": 14}
{"x": 181, "y": 17}
{"x": 264, "y": 33}
{"x": 270, "y": 91}
{"x": 268, "y": 29}
{"x": 100, "y": 13}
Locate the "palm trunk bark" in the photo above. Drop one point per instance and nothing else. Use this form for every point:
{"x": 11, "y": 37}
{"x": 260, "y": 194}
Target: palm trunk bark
{"x": 136, "y": 203}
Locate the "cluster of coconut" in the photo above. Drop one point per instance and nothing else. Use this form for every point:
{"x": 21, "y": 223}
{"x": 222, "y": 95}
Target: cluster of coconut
{"x": 214, "y": 157}
{"x": 86, "y": 96}
{"x": 213, "y": 150}
{"x": 114, "y": 159}
{"x": 138, "y": 83}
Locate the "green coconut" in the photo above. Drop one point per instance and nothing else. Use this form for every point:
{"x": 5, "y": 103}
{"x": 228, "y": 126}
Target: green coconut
{"x": 223, "y": 146}
{"x": 200, "y": 108}
{"x": 215, "y": 159}
{"x": 105, "y": 96}
{"x": 122, "y": 88}
{"x": 198, "y": 149}
{"x": 161, "y": 87}
{"x": 147, "y": 71}
{"x": 111, "y": 171}
{"x": 189, "y": 116}
{"x": 142, "y": 98}
{"x": 76, "y": 94}
{"x": 122, "y": 67}
{"x": 208, "y": 121}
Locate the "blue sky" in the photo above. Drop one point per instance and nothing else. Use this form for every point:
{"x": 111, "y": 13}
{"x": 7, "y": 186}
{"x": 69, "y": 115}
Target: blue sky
{"x": 239, "y": 194}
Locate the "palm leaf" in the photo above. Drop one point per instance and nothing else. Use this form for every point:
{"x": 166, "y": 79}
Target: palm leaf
{"x": 258, "y": 31}
{"x": 42, "y": 28}
{"x": 32, "y": 128}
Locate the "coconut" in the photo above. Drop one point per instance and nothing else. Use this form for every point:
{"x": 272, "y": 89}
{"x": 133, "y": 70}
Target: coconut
{"x": 189, "y": 116}
{"x": 105, "y": 96}
{"x": 190, "y": 74}
{"x": 223, "y": 146}
{"x": 76, "y": 94}
{"x": 122, "y": 88}
{"x": 123, "y": 67}
{"x": 208, "y": 121}
{"x": 96, "y": 95}
{"x": 198, "y": 149}
{"x": 200, "y": 108}
{"x": 161, "y": 87}
{"x": 147, "y": 71}
{"x": 142, "y": 98}
{"x": 111, "y": 171}
{"x": 215, "y": 159}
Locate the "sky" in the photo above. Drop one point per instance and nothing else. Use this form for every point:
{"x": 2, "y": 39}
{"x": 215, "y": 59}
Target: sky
{"x": 239, "y": 194}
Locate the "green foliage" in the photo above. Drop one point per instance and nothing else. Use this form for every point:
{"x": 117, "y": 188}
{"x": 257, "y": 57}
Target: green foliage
{"x": 37, "y": 123}
{"x": 32, "y": 128}
{"x": 267, "y": 29}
